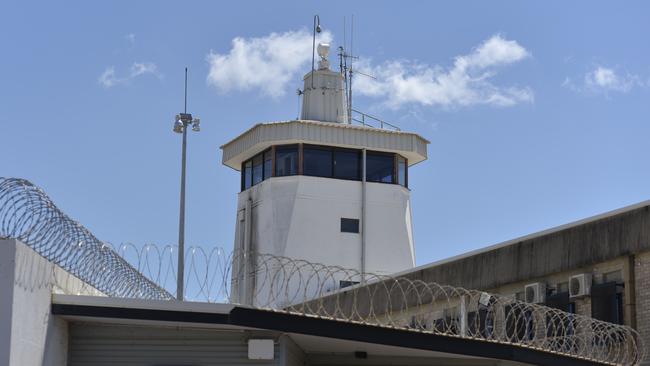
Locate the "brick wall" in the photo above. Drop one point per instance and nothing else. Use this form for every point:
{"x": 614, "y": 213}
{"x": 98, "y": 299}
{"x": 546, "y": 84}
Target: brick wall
{"x": 642, "y": 274}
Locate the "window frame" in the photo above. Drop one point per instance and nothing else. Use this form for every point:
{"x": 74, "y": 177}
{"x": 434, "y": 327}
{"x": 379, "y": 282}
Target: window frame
{"x": 406, "y": 170}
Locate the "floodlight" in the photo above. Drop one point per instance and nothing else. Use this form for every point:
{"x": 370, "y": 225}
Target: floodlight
{"x": 323, "y": 50}
{"x": 196, "y": 125}
{"x": 178, "y": 125}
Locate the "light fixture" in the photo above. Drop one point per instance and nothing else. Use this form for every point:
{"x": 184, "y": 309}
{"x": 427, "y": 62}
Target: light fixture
{"x": 185, "y": 117}
{"x": 196, "y": 125}
{"x": 318, "y": 28}
{"x": 178, "y": 125}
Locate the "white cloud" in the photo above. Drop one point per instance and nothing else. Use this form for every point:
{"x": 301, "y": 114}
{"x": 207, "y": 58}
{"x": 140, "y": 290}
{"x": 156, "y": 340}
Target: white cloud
{"x": 607, "y": 79}
{"x": 109, "y": 78}
{"x": 468, "y": 82}
{"x": 272, "y": 63}
{"x": 141, "y": 68}
{"x": 602, "y": 80}
{"x": 268, "y": 64}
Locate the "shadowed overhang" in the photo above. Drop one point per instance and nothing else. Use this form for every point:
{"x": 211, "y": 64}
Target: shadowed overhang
{"x": 154, "y": 312}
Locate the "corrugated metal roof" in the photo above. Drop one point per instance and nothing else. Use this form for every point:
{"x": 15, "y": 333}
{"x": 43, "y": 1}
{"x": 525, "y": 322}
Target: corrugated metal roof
{"x": 263, "y": 135}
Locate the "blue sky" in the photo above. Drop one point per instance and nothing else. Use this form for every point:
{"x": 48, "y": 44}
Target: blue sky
{"x": 537, "y": 113}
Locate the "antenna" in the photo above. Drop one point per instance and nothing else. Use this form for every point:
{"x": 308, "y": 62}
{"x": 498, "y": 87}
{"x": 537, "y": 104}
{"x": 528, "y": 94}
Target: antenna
{"x": 185, "y": 110}
{"x": 351, "y": 70}
{"x": 345, "y": 69}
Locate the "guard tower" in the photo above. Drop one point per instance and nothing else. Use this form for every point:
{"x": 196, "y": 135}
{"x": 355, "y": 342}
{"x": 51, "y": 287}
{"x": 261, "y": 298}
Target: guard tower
{"x": 324, "y": 190}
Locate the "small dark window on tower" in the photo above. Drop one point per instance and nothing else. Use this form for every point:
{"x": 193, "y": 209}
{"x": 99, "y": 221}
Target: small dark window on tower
{"x": 349, "y": 225}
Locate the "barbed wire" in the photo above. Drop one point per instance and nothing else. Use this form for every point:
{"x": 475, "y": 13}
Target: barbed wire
{"x": 301, "y": 287}
{"x": 313, "y": 289}
{"x": 28, "y": 214}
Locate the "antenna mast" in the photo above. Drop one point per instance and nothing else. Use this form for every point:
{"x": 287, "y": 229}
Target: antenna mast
{"x": 351, "y": 66}
{"x": 345, "y": 69}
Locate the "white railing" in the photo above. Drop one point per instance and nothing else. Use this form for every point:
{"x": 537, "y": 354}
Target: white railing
{"x": 367, "y": 120}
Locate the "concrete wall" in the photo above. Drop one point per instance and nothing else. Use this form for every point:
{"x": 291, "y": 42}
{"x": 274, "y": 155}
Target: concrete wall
{"x": 642, "y": 286}
{"x": 299, "y": 217}
{"x": 29, "y": 334}
{"x": 576, "y": 246}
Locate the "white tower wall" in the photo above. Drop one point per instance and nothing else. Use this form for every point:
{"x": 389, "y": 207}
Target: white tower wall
{"x": 300, "y": 217}
{"x": 325, "y": 101}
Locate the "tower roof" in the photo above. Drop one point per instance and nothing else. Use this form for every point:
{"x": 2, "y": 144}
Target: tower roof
{"x": 263, "y": 135}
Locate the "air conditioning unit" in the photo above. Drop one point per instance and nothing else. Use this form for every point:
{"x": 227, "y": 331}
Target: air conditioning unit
{"x": 535, "y": 292}
{"x": 579, "y": 285}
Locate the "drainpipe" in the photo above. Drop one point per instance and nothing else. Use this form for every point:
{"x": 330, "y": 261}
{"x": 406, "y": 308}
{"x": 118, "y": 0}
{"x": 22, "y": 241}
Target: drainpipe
{"x": 463, "y": 316}
{"x": 248, "y": 254}
{"x": 363, "y": 216}
{"x": 630, "y": 291}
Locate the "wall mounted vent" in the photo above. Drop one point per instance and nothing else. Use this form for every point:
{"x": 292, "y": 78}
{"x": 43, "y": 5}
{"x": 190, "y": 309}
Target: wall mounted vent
{"x": 579, "y": 285}
{"x": 535, "y": 292}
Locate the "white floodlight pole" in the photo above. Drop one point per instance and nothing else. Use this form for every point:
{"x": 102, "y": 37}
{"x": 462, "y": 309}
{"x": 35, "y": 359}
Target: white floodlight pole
{"x": 185, "y": 119}
{"x": 181, "y": 223}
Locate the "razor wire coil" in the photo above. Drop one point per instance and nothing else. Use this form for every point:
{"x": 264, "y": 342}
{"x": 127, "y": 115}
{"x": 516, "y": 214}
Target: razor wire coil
{"x": 27, "y": 214}
{"x": 305, "y": 288}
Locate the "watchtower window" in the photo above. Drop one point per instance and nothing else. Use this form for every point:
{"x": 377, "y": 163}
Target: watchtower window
{"x": 317, "y": 161}
{"x": 402, "y": 177}
{"x": 247, "y": 177}
{"x": 380, "y": 167}
{"x": 268, "y": 164}
{"x": 347, "y": 164}
{"x": 286, "y": 160}
{"x": 258, "y": 171}
{"x": 323, "y": 161}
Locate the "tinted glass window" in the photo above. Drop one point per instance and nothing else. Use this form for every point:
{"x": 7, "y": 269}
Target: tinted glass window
{"x": 247, "y": 175}
{"x": 286, "y": 160}
{"x": 317, "y": 162}
{"x": 346, "y": 164}
{"x": 401, "y": 171}
{"x": 349, "y": 225}
{"x": 268, "y": 164}
{"x": 379, "y": 167}
{"x": 257, "y": 169}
